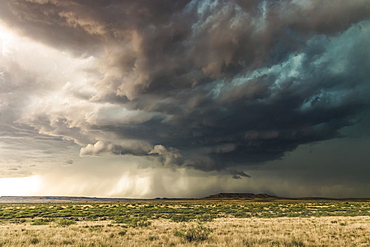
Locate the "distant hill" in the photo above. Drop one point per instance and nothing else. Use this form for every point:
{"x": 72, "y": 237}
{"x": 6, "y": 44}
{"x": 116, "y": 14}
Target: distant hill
{"x": 57, "y": 199}
{"x": 239, "y": 196}
{"x": 67, "y": 199}
{"x": 219, "y": 196}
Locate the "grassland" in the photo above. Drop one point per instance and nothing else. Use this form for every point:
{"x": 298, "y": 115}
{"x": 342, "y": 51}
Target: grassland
{"x": 187, "y": 223}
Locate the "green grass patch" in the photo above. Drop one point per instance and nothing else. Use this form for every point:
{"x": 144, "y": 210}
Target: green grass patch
{"x": 65, "y": 222}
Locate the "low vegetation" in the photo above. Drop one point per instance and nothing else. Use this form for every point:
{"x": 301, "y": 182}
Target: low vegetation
{"x": 194, "y": 234}
{"x": 181, "y": 211}
{"x": 187, "y": 223}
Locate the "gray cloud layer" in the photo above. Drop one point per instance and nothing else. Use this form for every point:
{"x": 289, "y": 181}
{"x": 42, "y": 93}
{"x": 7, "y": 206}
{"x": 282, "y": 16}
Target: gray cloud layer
{"x": 202, "y": 84}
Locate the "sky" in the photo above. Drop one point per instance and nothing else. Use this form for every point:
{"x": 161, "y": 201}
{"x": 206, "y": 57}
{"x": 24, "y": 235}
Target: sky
{"x": 164, "y": 98}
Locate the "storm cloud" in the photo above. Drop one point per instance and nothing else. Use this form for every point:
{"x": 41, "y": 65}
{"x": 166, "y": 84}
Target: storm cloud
{"x": 210, "y": 85}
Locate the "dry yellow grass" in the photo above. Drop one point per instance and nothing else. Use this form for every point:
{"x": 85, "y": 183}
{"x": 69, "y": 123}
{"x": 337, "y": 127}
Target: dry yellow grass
{"x": 318, "y": 231}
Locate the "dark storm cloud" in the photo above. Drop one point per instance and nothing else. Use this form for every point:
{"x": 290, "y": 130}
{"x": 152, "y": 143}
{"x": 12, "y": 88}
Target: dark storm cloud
{"x": 238, "y": 174}
{"x": 73, "y": 25}
{"x": 207, "y": 84}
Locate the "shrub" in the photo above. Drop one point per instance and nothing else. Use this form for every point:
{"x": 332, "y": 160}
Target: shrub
{"x": 122, "y": 233}
{"x": 296, "y": 243}
{"x": 133, "y": 221}
{"x": 95, "y": 228}
{"x": 194, "y": 234}
{"x": 40, "y": 222}
{"x": 68, "y": 242}
{"x": 142, "y": 223}
{"x": 34, "y": 241}
{"x": 179, "y": 218}
{"x": 152, "y": 238}
{"x": 205, "y": 218}
{"x": 66, "y": 222}
{"x": 20, "y": 221}
{"x": 120, "y": 220}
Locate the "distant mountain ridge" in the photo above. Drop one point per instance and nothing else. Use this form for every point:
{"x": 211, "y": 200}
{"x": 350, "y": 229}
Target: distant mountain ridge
{"x": 219, "y": 196}
{"x": 56, "y": 199}
{"x": 238, "y": 196}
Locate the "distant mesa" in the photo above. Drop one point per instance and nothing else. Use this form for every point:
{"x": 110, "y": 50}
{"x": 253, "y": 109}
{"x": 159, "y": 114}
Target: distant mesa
{"x": 239, "y": 196}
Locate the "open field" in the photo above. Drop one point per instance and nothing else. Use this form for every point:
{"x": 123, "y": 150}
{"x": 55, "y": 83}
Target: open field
{"x": 187, "y": 223}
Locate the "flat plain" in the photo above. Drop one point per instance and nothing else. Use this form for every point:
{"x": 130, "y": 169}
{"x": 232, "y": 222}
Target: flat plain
{"x": 187, "y": 223}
